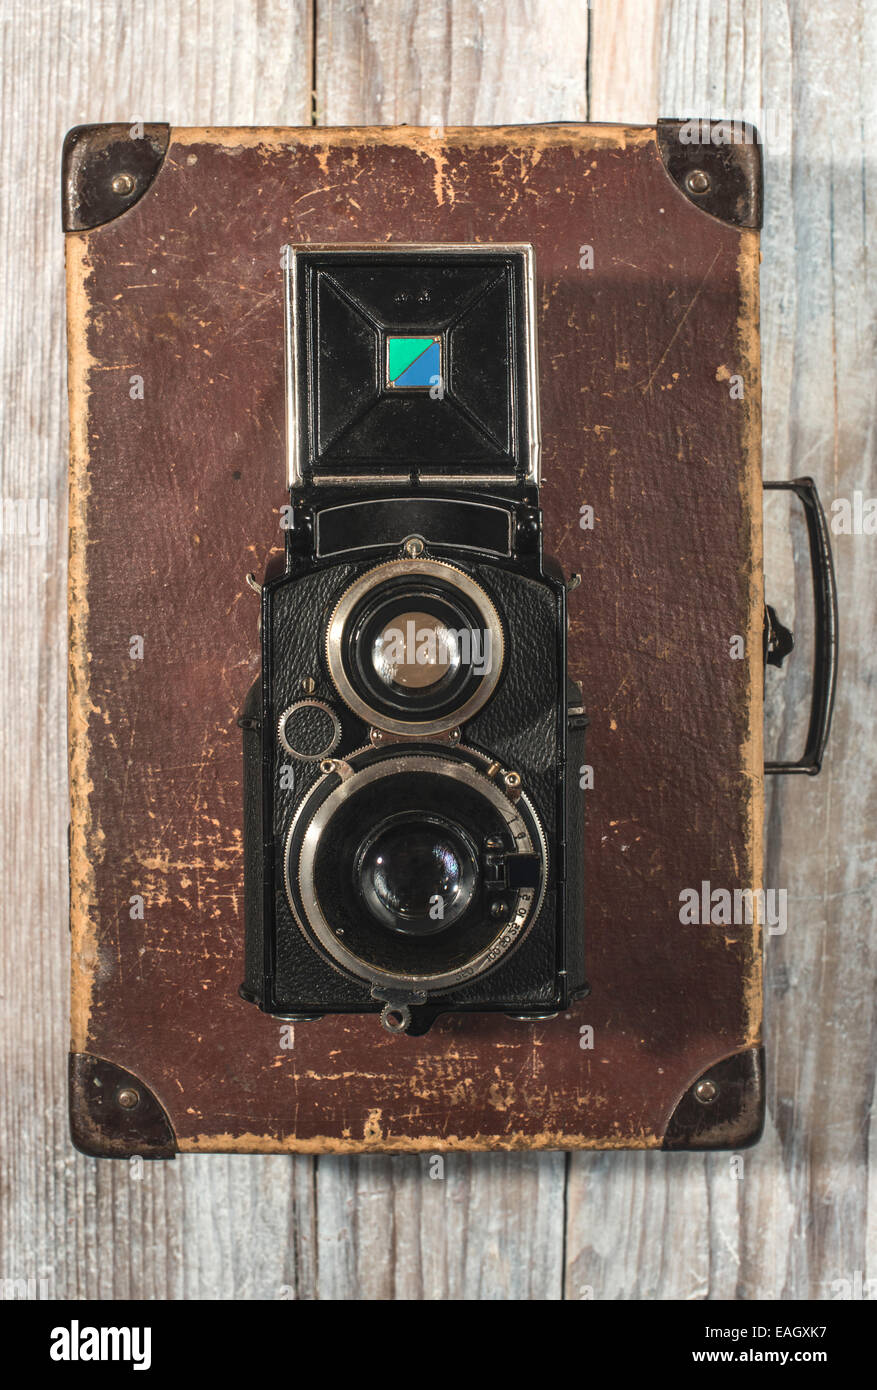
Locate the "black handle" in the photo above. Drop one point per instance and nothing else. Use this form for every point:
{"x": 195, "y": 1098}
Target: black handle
{"x": 825, "y": 603}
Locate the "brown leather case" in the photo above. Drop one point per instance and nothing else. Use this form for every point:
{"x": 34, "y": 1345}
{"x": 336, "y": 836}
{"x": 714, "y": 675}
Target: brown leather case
{"x": 177, "y": 475}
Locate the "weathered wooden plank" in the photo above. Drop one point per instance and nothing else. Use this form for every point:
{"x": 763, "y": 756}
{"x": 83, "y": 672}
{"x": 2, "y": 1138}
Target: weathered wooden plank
{"x": 88, "y": 1227}
{"x": 462, "y": 1226}
{"x": 471, "y": 62}
{"x": 820, "y": 320}
{"x": 624, "y": 71}
{"x": 800, "y": 1218}
{"x": 796, "y": 1222}
{"x": 492, "y": 1227}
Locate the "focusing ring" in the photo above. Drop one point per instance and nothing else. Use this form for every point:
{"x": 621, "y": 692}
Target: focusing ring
{"x": 474, "y": 597}
{"x": 309, "y": 824}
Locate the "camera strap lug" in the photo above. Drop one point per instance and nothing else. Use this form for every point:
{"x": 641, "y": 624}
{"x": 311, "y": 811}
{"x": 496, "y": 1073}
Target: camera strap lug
{"x": 341, "y": 768}
{"x": 396, "y": 1015}
{"x": 510, "y": 782}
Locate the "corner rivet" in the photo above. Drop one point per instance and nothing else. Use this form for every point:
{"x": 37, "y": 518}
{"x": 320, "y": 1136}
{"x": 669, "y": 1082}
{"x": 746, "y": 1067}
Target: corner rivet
{"x": 697, "y": 181}
{"x": 706, "y": 1092}
{"x": 128, "y": 1098}
{"x": 123, "y": 184}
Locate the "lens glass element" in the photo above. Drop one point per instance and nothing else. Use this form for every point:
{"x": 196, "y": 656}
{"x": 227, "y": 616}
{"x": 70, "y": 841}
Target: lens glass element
{"x": 417, "y": 875}
{"x": 415, "y": 650}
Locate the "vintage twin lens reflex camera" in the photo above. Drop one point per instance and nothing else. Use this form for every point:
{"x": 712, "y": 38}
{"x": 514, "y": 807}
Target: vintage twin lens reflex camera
{"x": 413, "y": 820}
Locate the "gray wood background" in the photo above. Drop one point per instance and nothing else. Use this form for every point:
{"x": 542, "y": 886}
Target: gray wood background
{"x": 802, "y": 1219}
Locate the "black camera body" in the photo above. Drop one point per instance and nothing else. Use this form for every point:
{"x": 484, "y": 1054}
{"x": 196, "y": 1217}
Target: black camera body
{"x": 413, "y": 821}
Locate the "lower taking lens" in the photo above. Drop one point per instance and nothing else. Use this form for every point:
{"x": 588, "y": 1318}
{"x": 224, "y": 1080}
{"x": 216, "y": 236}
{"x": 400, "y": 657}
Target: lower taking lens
{"x": 416, "y": 877}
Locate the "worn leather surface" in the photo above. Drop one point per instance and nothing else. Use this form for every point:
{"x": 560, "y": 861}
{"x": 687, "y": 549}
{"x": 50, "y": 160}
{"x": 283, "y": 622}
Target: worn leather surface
{"x": 576, "y": 881}
{"x": 253, "y": 862}
{"x": 184, "y": 290}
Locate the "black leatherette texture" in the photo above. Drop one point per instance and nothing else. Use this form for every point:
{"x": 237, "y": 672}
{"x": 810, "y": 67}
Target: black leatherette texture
{"x": 519, "y": 727}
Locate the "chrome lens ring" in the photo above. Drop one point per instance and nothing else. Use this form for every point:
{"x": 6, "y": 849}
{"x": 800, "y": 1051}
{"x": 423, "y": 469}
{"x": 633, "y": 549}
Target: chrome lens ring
{"x": 370, "y": 582}
{"x": 520, "y": 820}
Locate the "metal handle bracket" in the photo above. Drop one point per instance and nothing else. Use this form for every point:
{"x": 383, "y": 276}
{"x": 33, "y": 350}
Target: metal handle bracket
{"x": 826, "y": 651}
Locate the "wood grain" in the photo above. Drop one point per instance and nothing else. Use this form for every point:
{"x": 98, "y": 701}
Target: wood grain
{"x": 623, "y": 71}
{"x": 196, "y": 1228}
{"x": 799, "y": 1220}
{"x": 494, "y": 1226}
{"x": 472, "y": 62}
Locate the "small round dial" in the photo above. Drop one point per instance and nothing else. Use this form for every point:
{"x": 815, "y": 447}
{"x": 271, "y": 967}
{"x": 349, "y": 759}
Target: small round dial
{"x": 309, "y": 729}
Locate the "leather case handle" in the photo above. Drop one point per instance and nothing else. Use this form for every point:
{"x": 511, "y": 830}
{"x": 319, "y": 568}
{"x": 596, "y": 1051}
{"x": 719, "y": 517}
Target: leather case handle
{"x": 826, "y": 651}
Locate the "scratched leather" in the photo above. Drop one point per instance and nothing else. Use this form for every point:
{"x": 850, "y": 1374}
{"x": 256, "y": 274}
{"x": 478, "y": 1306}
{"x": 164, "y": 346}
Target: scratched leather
{"x": 637, "y": 422}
